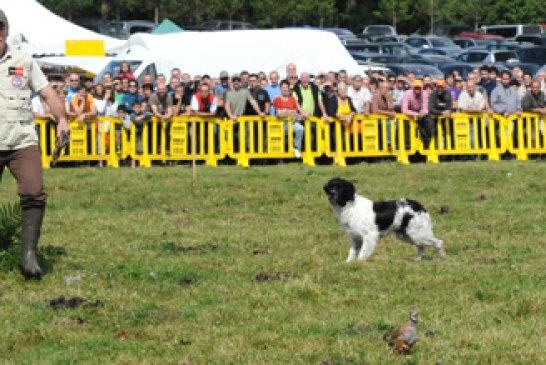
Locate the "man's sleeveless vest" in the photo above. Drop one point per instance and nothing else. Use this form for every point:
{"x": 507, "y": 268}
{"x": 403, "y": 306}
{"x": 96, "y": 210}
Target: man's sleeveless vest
{"x": 315, "y": 90}
{"x": 16, "y": 119}
{"x": 204, "y": 105}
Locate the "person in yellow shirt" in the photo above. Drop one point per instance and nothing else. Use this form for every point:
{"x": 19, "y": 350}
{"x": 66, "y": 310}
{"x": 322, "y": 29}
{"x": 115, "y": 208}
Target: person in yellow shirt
{"x": 345, "y": 109}
{"x": 82, "y": 105}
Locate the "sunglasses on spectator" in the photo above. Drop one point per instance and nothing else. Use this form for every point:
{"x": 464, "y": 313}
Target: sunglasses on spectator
{"x": 236, "y": 79}
{"x": 2, "y": 26}
{"x": 74, "y": 80}
{"x": 293, "y": 77}
{"x": 132, "y": 85}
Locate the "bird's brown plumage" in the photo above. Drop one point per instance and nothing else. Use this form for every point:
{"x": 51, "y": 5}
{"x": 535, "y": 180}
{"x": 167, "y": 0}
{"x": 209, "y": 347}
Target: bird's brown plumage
{"x": 404, "y": 337}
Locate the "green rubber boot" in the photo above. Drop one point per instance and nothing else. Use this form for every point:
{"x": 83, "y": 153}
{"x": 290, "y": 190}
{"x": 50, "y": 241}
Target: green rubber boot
{"x": 30, "y": 234}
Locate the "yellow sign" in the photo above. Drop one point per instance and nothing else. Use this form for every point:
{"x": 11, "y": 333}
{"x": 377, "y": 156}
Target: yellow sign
{"x": 85, "y": 48}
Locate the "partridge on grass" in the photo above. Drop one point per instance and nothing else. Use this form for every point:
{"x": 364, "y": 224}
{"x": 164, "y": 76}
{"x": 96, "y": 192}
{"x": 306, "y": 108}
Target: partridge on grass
{"x": 404, "y": 337}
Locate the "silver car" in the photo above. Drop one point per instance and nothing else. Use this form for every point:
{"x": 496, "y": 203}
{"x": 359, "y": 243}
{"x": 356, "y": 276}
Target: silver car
{"x": 478, "y": 56}
{"x": 441, "y": 43}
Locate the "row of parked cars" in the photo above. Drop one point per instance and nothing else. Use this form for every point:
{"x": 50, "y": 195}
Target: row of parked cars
{"x": 435, "y": 55}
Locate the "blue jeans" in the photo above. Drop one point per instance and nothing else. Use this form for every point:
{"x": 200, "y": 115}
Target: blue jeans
{"x": 298, "y": 133}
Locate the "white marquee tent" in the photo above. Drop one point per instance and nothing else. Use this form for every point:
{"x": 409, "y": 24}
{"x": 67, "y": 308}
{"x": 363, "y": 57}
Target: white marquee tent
{"x": 234, "y": 51}
{"x": 41, "y": 32}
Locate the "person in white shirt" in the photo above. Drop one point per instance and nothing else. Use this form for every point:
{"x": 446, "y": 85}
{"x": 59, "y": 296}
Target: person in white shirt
{"x": 360, "y": 95}
{"x": 471, "y": 101}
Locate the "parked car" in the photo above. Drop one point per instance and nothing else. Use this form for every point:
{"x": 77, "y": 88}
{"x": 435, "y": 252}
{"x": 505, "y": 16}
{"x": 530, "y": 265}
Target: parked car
{"x": 536, "y": 39}
{"x": 214, "y": 25}
{"x": 344, "y": 34}
{"x": 361, "y": 46}
{"x": 536, "y": 55}
{"x": 126, "y": 28}
{"x": 466, "y": 42}
{"x": 481, "y": 36}
{"x": 379, "y": 30}
{"x": 479, "y": 56}
{"x": 436, "y": 60}
{"x": 505, "y": 46}
{"x": 433, "y": 42}
{"x": 389, "y": 38}
{"x": 390, "y": 59}
{"x": 432, "y": 52}
{"x": 418, "y": 69}
{"x": 394, "y": 48}
{"x": 387, "y": 48}
{"x": 511, "y": 30}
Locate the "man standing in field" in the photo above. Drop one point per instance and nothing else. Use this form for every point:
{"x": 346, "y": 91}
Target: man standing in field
{"x": 19, "y": 142}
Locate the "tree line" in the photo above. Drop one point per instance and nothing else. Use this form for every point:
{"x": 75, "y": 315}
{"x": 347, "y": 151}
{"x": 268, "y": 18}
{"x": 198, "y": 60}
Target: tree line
{"x": 407, "y": 15}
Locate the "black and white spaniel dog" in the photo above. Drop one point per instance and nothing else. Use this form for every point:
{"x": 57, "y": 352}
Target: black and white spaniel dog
{"x": 365, "y": 221}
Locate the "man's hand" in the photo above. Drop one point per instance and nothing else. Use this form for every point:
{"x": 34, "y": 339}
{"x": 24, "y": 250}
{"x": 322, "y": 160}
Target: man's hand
{"x": 63, "y": 128}
{"x": 446, "y": 113}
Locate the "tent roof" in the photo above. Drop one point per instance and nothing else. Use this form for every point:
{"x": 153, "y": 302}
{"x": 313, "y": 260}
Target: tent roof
{"x": 31, "y": 22}
{"x": 237, "y": 50}
{"x": 166, "y": 27}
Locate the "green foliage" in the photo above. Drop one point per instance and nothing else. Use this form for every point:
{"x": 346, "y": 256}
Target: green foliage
{"x": 10, "y": 224}
{"x": 409, "y": 15}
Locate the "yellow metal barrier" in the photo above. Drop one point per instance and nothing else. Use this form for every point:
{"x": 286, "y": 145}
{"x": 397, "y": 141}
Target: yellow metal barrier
{"x": 527, "y": 136}
{"x": 464, "y": 134}
{"x": 89, "y": 141}
{"x": 178, "y": 139}
{"x": 486, "y": 134}
{"x": 252, "y": 137}
{"x": 368, "y": 136}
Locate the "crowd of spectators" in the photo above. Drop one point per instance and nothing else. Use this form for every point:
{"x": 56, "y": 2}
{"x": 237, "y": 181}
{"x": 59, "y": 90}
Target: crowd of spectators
{"x": 332, "y": 94}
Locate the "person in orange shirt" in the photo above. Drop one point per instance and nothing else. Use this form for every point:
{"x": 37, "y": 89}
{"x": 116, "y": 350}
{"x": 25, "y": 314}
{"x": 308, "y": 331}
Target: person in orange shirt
{"x": 82, "y": 105}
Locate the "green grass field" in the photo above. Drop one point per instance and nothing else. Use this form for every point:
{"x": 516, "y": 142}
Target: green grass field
{"x": 175, "y": 263}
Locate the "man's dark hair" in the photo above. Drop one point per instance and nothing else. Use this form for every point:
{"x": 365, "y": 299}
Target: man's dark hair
{"x": 527, "y": 74}
{"x": 148, "y": 87}
{"x": 506, "y": 72}
{"x": 485, "y": 68}
{"x": 494, "y": 69}
{"x": 284, "y": 82}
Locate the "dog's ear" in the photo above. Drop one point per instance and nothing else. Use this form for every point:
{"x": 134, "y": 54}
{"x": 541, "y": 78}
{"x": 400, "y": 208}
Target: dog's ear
{"x": 346, "y": 193}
